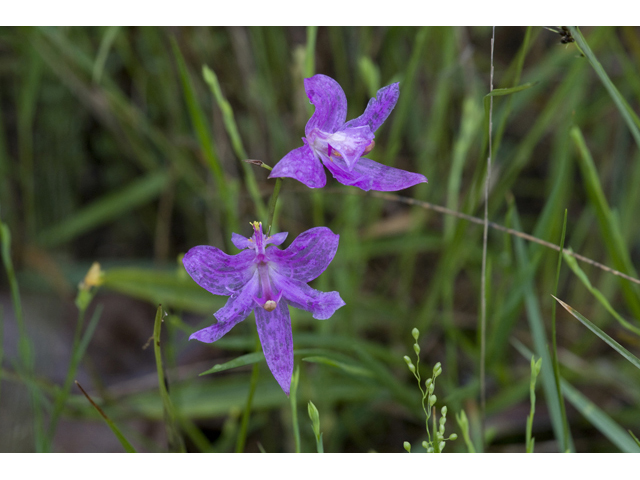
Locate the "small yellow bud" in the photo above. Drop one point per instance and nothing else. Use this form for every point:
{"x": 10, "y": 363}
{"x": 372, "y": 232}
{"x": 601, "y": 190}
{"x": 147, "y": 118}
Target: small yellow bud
{"x": 93, "y": 278}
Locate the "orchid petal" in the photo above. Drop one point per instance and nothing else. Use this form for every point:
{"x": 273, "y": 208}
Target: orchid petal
{"x": 241, "y": 242}
{"x": 302, "y": 165}
{"x": 300, "y": 295}
{"x": 370, "y": 175}
{"x": 378, "y": 108}
{"x": 330, "y": 101}
{"x": 308, "y": 255}
{"x": 274, "y": 330}
{"x": 237, "y": 308}
{"x": 351, "y": 143}
{"x": 240, "y": 303}
{"x": 277, "y": 238}
{"x": 217, "y": 272}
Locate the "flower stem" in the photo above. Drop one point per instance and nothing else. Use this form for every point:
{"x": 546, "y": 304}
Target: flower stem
{"x": 273, "y": 201}
{"x": 293, "y": 397}
{"x": 170, "y": 414}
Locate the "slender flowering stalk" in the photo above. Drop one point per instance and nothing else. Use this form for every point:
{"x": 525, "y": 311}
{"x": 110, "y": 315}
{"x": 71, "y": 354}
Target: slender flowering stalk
{"x": 266, "y": 280}
{"x": 339, "y": 145}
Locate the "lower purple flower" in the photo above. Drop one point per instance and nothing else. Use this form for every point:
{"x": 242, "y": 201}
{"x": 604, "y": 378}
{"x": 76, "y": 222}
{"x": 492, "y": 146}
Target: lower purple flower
{"x": 266, "y": 280}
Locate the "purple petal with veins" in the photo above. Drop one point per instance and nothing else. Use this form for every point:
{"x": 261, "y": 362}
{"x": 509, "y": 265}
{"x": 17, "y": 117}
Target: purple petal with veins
{"x": 237, "y": 308}
{"x": 274, "y": 330}
{"x": 240, "y": 242}
{"x": 370, "y": 175}
{"x": 300, "y": 295}
{"x": 330, "y": 101}
{"x": 308, "y": 255}
{"x": 302, "y": 165}
{"x": 217, "y": 272}
{"x": 378, "y": 108}
{"x": 277, "y": 238}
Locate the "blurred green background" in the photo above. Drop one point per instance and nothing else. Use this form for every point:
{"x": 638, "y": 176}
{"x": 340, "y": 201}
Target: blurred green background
{"x": 114, "y": 148}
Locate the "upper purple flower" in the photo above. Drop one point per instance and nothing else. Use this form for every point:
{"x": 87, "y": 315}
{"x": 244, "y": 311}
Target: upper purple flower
{"x": 340, "y": 145}
{"x": 266, "y": 280}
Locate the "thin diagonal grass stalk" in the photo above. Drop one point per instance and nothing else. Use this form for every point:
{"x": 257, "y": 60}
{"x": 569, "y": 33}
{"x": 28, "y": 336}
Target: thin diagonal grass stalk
{"x": 116, "y": 431}
{"x": 478, "y": 221}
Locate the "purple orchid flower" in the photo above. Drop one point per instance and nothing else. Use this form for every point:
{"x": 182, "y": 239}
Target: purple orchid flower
{"x": 339, "y": 145}
{"x": 266, "y": 280}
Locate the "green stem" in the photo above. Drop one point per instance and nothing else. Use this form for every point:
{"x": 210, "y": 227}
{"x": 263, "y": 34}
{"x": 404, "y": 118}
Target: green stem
{"x": 80, "y": 344}
{"x": 174, "y": 438}
{"x": 73, "y": 365}
{"x": 273, "y": 201}
{"x": 25, "y": 348}
{"x": 554, "y": 358}
{"x": 294, "y": 407}
{"x": 244, "y": 425}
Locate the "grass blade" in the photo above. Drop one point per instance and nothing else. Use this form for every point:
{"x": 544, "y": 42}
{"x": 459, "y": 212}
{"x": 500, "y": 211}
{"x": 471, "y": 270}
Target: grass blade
{"x": 573, "y": 264}
{"x": 352, "y": 369}
{"x": 631, "y": 119}
{"x": 248, "y": 359}
{"x": 554, "y": 344}
{"x": 25, "y": 346}
{"x": 80, "y": 345}
{"x": 253, "y": 383}
{"x": 609, "y": 228}
{"x": 108, "y": 38}
{"x": 589, "y": 410}
{"x": 635, "y": 361}
{"x": 236, "y": 141}
{"x": 107, "y": 208}
{"x": 536, "y": 325}
{"x": 599, "y": 419}
{"x": 121, "y": 438}
{"x": 203, "y": 133}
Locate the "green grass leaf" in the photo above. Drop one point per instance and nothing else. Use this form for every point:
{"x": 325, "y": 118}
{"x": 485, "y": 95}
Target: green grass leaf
{"x": 599, "y": 419}
{"x": 116, "y": 431}
{"x": 108, "y": 208}
{"x": 157, "y": 286}
{"x": 635, "y": 361}
{"x": 573, "y": 264}
{"x": 352, "y": 369}
{"x": 630, "y": 117}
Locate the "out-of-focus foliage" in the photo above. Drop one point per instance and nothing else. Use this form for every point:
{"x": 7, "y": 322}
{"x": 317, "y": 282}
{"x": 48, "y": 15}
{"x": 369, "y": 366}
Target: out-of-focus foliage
{"x": 114, "y": 148}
